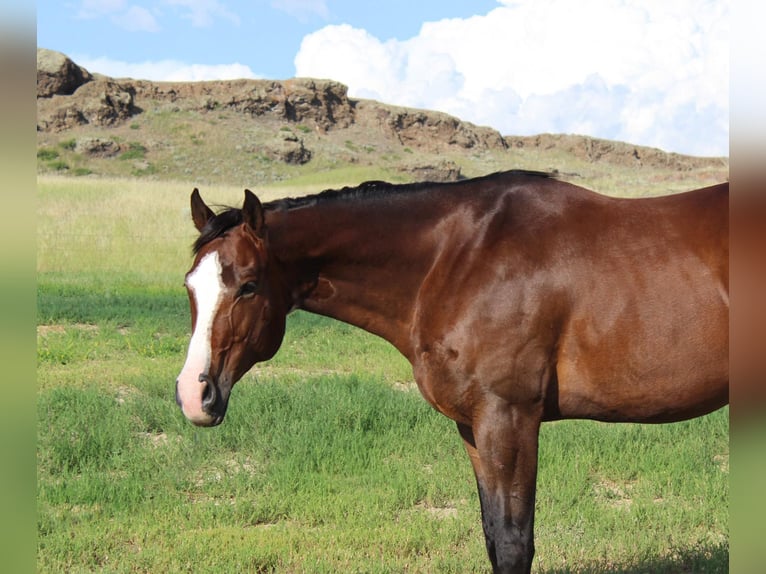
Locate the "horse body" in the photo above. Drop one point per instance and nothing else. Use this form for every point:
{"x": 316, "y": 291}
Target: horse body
{"x": 537, "y": 290}
{"x": 517, "y": 298}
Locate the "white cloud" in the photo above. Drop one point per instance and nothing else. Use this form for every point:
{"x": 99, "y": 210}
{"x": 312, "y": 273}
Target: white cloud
{"x": 202, "y": 13}
{"x": 136, "y": 19}
{"x": 97, "y": 8}
{"x": 651, "y": 72}
{"x": 165, "y": 70}
{"x": 131, "y": 17}
{"x": 302, "y": 9}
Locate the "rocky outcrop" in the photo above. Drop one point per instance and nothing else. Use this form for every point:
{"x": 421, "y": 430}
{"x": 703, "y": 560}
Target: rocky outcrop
{"x": 427, "y": 130}
{"x": 323, "y": 103}
{"x": 97, "y": 147}
{"x": 440, "y": 171}
{"x": 58, "y": 75}
{"x": 287, "y": 149}
{"x": 101, "y": 102}
{"x": 69, "y": 96}
{"x": 595, "y": 150}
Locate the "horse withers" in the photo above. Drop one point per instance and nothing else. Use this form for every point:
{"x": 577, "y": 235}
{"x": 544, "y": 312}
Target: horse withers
{"x": 516, "y": 297}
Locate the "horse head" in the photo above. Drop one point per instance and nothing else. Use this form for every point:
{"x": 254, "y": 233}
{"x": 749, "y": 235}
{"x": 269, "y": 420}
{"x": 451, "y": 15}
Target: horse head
{"x": 238, "y": 306}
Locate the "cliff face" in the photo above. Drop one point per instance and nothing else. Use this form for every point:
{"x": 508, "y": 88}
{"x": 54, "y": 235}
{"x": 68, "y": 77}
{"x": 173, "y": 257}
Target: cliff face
{"x": 69, "y": 96}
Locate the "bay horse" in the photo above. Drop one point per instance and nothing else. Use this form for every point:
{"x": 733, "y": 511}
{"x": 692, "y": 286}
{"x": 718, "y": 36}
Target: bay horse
{"x": 517, "y": 298}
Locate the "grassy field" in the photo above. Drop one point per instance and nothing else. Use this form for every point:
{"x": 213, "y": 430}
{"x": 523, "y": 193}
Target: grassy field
{"x": 329, "y": 460}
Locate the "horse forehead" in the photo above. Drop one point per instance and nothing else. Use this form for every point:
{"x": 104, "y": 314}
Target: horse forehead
{"x": 205, "y": 276}
{"x": 241, "y": 250}
{"x": 233, "y": 254}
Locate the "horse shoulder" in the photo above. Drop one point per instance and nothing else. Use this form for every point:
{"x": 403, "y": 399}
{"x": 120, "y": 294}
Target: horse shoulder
{"x": 486, "y": 313}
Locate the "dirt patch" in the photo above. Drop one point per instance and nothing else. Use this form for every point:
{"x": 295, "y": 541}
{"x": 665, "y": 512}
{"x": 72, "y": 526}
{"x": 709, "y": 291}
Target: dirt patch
{"x": 156, "y": 439}
{"x": 613, "y": 494}
{"x": 124, "y": 392}
{"x": 438, "y": 512}
{"x": 45, "y": 330}
{"x": 405, "y": 386}
{"x": 722, "y": 461}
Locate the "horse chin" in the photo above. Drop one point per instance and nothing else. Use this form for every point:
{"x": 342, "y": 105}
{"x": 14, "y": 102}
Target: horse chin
{"x": 204, "y": 419}
{"x": 208, "y": 422}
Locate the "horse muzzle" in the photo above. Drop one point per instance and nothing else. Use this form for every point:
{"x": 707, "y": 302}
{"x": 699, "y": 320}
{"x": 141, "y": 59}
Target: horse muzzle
{"x": 206, "y": 404}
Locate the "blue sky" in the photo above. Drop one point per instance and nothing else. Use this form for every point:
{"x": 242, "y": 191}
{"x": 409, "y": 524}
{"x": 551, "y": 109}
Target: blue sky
{"x": 650, "y": 72}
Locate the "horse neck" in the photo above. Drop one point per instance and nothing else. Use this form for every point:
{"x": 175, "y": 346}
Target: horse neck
{"x": 363, "y": 261}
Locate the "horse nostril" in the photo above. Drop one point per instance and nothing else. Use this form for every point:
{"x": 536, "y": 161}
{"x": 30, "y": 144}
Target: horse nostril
{"x": 209, "y": 393}
{"x": 178, "y": 397}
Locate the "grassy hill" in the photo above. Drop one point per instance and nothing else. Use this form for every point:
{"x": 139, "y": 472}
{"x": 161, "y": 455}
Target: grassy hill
{"x": 306, "y": 132}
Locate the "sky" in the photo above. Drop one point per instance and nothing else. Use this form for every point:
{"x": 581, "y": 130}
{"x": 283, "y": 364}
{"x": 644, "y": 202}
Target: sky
{"x": 647, "y": 72}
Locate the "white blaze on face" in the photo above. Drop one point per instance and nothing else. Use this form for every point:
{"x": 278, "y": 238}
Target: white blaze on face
{"x": 206, "y": 286}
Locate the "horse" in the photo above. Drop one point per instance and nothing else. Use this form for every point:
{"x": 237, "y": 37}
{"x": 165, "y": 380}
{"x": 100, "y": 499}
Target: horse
{"x": 517, "y": 298}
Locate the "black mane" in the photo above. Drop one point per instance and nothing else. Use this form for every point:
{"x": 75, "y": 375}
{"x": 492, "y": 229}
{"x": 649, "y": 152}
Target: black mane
{"x": 218, "y": 225}
{"x": 367, "y": 189}
{"x": 377, "y": 189}
{"x": 232, "y": 216}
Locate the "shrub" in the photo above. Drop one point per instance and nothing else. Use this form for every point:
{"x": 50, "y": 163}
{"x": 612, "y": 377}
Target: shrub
{"x": 47, "y": 154}
{"x": 59, "y": 165}
{"x": 135, "y": 151}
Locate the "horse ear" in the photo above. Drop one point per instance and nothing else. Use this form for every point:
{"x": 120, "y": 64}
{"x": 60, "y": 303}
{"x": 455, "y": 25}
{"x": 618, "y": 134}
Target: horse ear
{"x": 252, "y": 213}
{"x": 201, "y": 213}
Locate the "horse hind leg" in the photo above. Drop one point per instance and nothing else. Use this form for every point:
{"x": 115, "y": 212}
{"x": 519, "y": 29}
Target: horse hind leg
{"x": 503, "y": 452}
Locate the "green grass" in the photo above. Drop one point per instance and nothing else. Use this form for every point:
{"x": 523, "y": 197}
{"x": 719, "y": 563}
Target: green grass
{"x": 47, "y": 154}
{"x": 135, "y": 151}
{"x": 328, "y": 460}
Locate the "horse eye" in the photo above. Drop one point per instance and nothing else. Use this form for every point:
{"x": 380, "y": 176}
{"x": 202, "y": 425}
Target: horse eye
{"x": 249, "y": 288}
